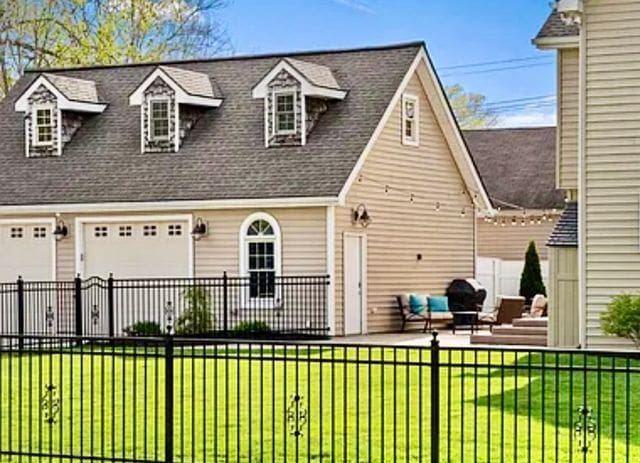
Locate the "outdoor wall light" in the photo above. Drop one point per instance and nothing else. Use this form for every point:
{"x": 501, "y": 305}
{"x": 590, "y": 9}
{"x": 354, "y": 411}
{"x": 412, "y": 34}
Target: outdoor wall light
{"x": 360, "y": 216}
{"x": 200, "y": 229}
{"x": 61, "y": 231}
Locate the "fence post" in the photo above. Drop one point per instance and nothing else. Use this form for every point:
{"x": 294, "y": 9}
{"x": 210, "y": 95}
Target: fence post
{"x": 435, "y": 398}
{"x": 168, "y": 399}
{"x": 20, "y": 313}
{"x": 110, "y": 306}
{"x": 78, "y": 305}
{"x": 225, "y": 301}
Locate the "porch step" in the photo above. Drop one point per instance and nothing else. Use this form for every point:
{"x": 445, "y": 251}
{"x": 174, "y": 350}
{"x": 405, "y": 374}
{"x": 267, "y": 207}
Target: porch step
{"x": 530, "y": 322}
{"x": 508, "y": 340}
{"x": 520, "y": 330}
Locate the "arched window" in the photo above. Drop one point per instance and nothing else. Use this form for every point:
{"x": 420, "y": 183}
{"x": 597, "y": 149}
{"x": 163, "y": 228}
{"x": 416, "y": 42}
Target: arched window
{"x": 260, "y": 254}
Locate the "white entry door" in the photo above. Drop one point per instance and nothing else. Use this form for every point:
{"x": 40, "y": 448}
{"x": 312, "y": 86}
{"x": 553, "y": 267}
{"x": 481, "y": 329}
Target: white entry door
{"x": 354, "y": 284}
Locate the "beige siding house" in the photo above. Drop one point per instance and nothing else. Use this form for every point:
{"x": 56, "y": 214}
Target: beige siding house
{"x": 599, "y": 52}
{"x": 343, "y": 163}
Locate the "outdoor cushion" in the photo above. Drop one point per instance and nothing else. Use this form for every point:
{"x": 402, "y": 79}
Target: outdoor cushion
{"x": 417, "y": 303}
{"x": 438, "y": 303}
{"x": 487, "y": 317}
{"x": 438, "y": 316}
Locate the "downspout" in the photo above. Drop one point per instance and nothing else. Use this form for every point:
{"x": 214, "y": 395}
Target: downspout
{"x": 582, "y": 194}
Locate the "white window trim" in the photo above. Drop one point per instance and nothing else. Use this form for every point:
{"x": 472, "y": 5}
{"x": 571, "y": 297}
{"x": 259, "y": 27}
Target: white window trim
{"x": 244, "y": 253}
{"x": 274, "y": 111}
{"x": 34, "y": 122}
{"x": 158, "y": 99}
{"x": 415, "y": 141}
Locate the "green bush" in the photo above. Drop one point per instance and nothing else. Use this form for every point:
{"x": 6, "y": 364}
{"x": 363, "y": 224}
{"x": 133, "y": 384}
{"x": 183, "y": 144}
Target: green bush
{"x": 197, "y": 318}
{"x": 531, "y": 280}
{"x": 622, "y": 317}
{"x": 143, "y": 328}
{"x": 254, "y": 327}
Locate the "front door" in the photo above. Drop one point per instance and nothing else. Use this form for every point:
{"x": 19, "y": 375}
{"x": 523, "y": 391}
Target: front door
{"x": 354, "y": 284}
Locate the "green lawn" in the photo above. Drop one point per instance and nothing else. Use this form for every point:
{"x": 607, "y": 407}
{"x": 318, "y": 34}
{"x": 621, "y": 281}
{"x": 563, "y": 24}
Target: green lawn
{"x": 361, "y": 405}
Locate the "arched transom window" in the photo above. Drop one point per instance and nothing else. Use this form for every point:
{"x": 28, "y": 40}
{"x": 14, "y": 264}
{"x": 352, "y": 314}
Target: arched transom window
{"x": 260, "y": 254}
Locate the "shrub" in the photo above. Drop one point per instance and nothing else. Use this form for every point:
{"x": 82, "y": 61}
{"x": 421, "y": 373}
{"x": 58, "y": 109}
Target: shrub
{"x": 143, "y": 328}
{"x": 254, "y": 327}
{"x": 197, "y": 318}
{"x": 531, "y": 280}
{"x": 622, "y": 317}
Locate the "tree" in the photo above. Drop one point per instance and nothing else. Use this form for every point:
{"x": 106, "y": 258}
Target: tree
{"x": 44, "y": 33}
{"x": 622, "y": 317}
{"x": 531, "y": 280}
{"x": 470, "y": 109}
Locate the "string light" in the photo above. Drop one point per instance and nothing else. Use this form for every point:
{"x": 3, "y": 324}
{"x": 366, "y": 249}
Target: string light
{"x": 463, "y": 212}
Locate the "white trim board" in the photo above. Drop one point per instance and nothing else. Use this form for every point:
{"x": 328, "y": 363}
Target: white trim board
{"x": 51, "y": 222}
{"x": 330, "y": 224}
{"x": 164, "y": 206}
{"x": 81, "y": 221}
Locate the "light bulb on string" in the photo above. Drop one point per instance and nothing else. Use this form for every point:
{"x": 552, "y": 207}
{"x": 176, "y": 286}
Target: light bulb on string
{"x": 386, "y": 188}
{"x": 437, "y": 206}
{"x": 463, "y": 212}
{"x": 513, "y": 222}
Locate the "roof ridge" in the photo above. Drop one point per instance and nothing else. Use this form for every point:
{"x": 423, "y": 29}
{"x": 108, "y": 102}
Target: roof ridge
{"x": 504, "y": 129}
{"x": 415, "y": 43}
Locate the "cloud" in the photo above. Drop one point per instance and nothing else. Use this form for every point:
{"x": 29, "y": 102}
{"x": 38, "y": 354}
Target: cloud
{"x": 528, "y": 118}
{"x": 362, "y": 6}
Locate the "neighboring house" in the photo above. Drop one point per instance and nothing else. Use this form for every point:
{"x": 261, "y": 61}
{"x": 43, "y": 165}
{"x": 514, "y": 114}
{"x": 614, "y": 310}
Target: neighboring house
{"x": 347, "y": 163}
{"x": 518, "y": 168}
{"x": 596, "y": 247}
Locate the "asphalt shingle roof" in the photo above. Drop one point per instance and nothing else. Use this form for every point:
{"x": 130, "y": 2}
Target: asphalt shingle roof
{"x": 565, "y": 232}
{"x": 554, "y": 27}
{"x": 517, "y": 165}
{"x": 74, "y": 89}
{"x": 224, "y": 156}
{"x": 193, "y": 83}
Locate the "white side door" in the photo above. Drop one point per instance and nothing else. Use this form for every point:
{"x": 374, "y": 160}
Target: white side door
{"x": 355, "y": 284}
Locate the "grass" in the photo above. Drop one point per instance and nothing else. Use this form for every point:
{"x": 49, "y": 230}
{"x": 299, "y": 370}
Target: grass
{"x": 361, "y": 404}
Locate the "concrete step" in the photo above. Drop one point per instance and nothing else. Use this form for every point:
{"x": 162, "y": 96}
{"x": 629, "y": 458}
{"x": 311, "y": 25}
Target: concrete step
{"x": 508, "y": 340}
{"x": 532, "y": 322}
{"x": 520, "y": 330}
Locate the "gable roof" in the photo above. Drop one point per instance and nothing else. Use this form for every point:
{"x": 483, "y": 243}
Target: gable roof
{"x": 222, "y": 157}
{"x": 75, "y": 89}
{"x": 316, "y": 73}
{"x": 517, "y": 165}
{"x": 193, "y": 83}
{"x": 555, "y": 28}
{"x": 565, "y": 232}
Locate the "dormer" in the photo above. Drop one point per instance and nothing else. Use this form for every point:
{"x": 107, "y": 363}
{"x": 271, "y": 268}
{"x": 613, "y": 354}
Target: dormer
{"x": 295, "y": 95}
{"x": 171, "y": 101}
{"x": 55, "y": 107}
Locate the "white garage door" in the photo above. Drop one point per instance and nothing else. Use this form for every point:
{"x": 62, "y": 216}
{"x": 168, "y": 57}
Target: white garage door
{"x": 150, "y": 249}
{"x": 26, "y": 249}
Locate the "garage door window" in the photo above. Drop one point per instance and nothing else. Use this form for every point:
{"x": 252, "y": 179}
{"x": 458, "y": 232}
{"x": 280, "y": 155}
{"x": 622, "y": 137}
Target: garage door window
{"x": 149, "y": 230}
{"x": 261, "y": 255}
{"x": 175, "y": 230}
{"x": 16, "y": 232}
{"x": 100, "y": 232}
{"x": 125, "y": 230}
{"x": 39, "y": 232}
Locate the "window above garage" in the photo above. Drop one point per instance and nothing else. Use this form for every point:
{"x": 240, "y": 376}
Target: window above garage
{"x": 171, "y": 101}
{"x": 55, "y": 107}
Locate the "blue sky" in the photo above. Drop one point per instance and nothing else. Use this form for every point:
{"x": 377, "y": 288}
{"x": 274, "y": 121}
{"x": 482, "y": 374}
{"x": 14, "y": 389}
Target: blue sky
{"x": 457, "y": 32}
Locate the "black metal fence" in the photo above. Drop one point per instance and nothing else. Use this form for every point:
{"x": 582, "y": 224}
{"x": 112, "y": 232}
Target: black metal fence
{"x": 284, "y": 305}
{"x": 183, "y": 400}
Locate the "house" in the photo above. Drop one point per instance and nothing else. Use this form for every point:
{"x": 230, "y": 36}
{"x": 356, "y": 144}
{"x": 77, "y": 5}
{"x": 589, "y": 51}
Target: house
{"x": 595, "y": 247}
{"x": 345, "y": 163}
{"x": 518, "y": 168}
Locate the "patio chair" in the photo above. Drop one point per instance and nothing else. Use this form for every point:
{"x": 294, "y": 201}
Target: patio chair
{"x": 426, "y": 316}
{"x": 507, "y": 308}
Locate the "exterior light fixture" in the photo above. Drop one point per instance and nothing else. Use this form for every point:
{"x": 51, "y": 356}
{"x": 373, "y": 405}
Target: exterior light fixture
{"x": 200, "y": 229}
{"x": 360, "y": 216}
{"x": 61, "y": 231}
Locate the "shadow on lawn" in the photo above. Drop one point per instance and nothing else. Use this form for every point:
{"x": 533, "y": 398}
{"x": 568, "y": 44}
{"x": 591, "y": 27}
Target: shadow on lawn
{"x": 609, "y": 386}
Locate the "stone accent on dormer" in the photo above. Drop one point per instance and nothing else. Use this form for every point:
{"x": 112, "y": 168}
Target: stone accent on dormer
{"x": 315, "y": 108}
{"x": 159, "y": 89}
{"x": 283, "y": 82}
{"x": 189, "y": 117}
{"x": 42, "y": 96}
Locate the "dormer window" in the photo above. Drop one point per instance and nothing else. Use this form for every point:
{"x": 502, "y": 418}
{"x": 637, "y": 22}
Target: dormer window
{"x": 285, "y": 113}
{"x": 43, "y": 125}
{"x": 410, "y": 120}
{"x": 159, "y": 119}
{"x": 55, "y": 108}
{"x": 295, "y": 94}
{"x": 171, "y": 101}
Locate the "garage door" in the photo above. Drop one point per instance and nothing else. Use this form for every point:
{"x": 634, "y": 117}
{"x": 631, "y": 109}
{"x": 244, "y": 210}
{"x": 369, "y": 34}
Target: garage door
{"x": 26, "y": 249}
{"x": 152, "y": 249}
